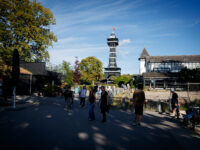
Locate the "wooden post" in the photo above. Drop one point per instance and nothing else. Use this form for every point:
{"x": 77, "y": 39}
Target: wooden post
{"x": 14, "y": 97}
{"x": 30, "y": 83}
{"x": 164, "y": 84}
{"x": 150, "y": 84}
{"x": 188, "y": 91}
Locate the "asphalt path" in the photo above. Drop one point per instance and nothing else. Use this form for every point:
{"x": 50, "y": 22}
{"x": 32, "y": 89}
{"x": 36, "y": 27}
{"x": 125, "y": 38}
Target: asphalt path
{"x": 47, "y": 124}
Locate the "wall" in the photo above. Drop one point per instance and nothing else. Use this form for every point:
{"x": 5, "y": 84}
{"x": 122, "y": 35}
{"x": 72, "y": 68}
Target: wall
{"x": 142, "y": 66}
{"x": 169, "y": 66}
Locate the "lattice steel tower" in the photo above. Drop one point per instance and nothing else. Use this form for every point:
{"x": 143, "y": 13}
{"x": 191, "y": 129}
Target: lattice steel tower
{"x": 112, "y": 69}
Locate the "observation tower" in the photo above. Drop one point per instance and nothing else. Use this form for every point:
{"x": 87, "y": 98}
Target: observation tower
{"x": 112, "y": 69}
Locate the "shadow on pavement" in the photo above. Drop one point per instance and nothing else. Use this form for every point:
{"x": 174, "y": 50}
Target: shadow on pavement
{"x": 47, "y": 124}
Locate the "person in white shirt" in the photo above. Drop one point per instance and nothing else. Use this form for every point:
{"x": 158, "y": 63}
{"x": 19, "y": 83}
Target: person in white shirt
{"x": 82, "y": 96}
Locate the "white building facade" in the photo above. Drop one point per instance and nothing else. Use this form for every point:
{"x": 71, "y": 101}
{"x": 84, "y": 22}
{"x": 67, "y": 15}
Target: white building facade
{"x": 162, "y": 71}
{"x": 167, "y": 63}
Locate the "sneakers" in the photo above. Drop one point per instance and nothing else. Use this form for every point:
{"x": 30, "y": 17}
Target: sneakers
{"x": 172, "y": 115}
{"x": 134, "y": 124}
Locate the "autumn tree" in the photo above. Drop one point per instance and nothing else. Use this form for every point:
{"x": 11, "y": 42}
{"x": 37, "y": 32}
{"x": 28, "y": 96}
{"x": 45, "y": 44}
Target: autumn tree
{"x": 76, "y": 72}
{"x": 91, "y": 69}
{"x": 25, "y": 26}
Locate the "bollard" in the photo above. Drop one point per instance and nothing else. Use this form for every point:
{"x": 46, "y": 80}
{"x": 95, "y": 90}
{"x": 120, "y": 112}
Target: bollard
{"x": 159, "y": 106}
{"x": 123, "y": 103}
{"x": 170, "y": 105}
{"x": 163, "y": 107}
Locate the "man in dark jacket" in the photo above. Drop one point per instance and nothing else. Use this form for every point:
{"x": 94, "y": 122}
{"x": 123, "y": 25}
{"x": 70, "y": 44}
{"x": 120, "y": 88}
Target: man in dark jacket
{"x": 174, "y": 103}
{"x": 138, "y": 101}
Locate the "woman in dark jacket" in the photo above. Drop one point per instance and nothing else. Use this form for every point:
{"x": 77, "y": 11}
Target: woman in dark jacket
{"x": 104, "y": 103}
{"x": 69, "y": 97}
{"x": 92, "y": 100}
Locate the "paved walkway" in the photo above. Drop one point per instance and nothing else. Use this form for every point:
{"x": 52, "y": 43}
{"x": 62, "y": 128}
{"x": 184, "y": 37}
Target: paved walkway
{"x": 47, "y": 124}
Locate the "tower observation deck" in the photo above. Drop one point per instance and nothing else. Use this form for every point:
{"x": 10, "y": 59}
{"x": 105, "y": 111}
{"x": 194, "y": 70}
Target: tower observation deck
{"x": 112, "y": 69}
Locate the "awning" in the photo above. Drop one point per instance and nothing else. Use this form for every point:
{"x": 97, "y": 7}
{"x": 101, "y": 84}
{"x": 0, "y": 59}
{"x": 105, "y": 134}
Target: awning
{"x": 22, "y": 70}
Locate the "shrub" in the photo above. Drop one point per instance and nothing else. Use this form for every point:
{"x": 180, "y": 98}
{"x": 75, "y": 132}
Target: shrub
{"x": 50, "y": 90}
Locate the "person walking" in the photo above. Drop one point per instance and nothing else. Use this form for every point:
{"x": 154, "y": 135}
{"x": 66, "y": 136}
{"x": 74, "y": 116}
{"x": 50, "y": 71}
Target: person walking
{"x": 92, "y": 101}
{"x": 138, "y": 101}
{"x": 104, "y": 103}
{"x": 96, "y": 90}
{"x": 69, "y": 97}
{"x": 174, "y": 103}
{"x": 82, "y": 96}
{"x": 99, "y": 93}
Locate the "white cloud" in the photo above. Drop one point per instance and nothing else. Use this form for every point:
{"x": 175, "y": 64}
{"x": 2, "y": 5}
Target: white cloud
{"x": 124, "y": 42}
{"x": 123, "y": 52}
{"x": 88, "y": 14}
{"x": 69, "y": 53}
{"x": 69, "y": 39}
{"x": 80, "y": 15}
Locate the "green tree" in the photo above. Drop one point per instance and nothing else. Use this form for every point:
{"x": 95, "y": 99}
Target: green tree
{"x": 125, "y": 79}
{"x": 65, "y": 69}
{"x": 91, "y": 69}
{"x": 189, "y": 75}
{"x": 68, "y": 72}
{"x": 24, "y": 25}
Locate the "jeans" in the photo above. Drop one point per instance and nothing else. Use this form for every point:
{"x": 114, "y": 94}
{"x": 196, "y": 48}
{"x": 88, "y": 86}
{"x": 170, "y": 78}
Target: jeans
{"x": 91, "y": 112}
{"x": 82, "y": 101}
{"x": 69, "y": 102}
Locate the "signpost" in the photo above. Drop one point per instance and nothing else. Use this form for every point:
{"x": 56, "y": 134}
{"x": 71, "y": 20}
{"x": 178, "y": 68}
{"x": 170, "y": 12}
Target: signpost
{"x": 1, "y": 85}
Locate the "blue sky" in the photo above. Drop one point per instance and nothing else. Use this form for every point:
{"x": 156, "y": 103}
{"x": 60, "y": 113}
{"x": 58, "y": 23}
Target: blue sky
{"x": 163, "y": 27}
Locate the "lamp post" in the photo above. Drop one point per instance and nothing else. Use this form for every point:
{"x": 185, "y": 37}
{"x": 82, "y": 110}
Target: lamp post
{"x": 15, "y": 74}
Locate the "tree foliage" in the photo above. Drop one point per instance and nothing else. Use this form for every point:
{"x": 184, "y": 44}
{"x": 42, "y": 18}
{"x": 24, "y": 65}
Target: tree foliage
{"x": 68, "y": 72}
{"x": 65, "y": 69}
{"x": 76, "y": 72}
{"x": 91, "y": 69}
{"x": 24, "y": 25}
{"x": 189, "y": 75}
{"x": 125, "y": 79}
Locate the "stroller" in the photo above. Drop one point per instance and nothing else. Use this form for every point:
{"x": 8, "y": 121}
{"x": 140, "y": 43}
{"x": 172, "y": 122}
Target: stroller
{"x": 193, "y": 117}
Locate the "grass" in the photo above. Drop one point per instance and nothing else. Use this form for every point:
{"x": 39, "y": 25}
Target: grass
{"x": 117, "y": 100}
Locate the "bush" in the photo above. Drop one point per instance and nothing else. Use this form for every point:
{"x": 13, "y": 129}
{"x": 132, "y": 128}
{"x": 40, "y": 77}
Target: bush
{"x": 50, "y": 90}
{"x": 194, "y": 103}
